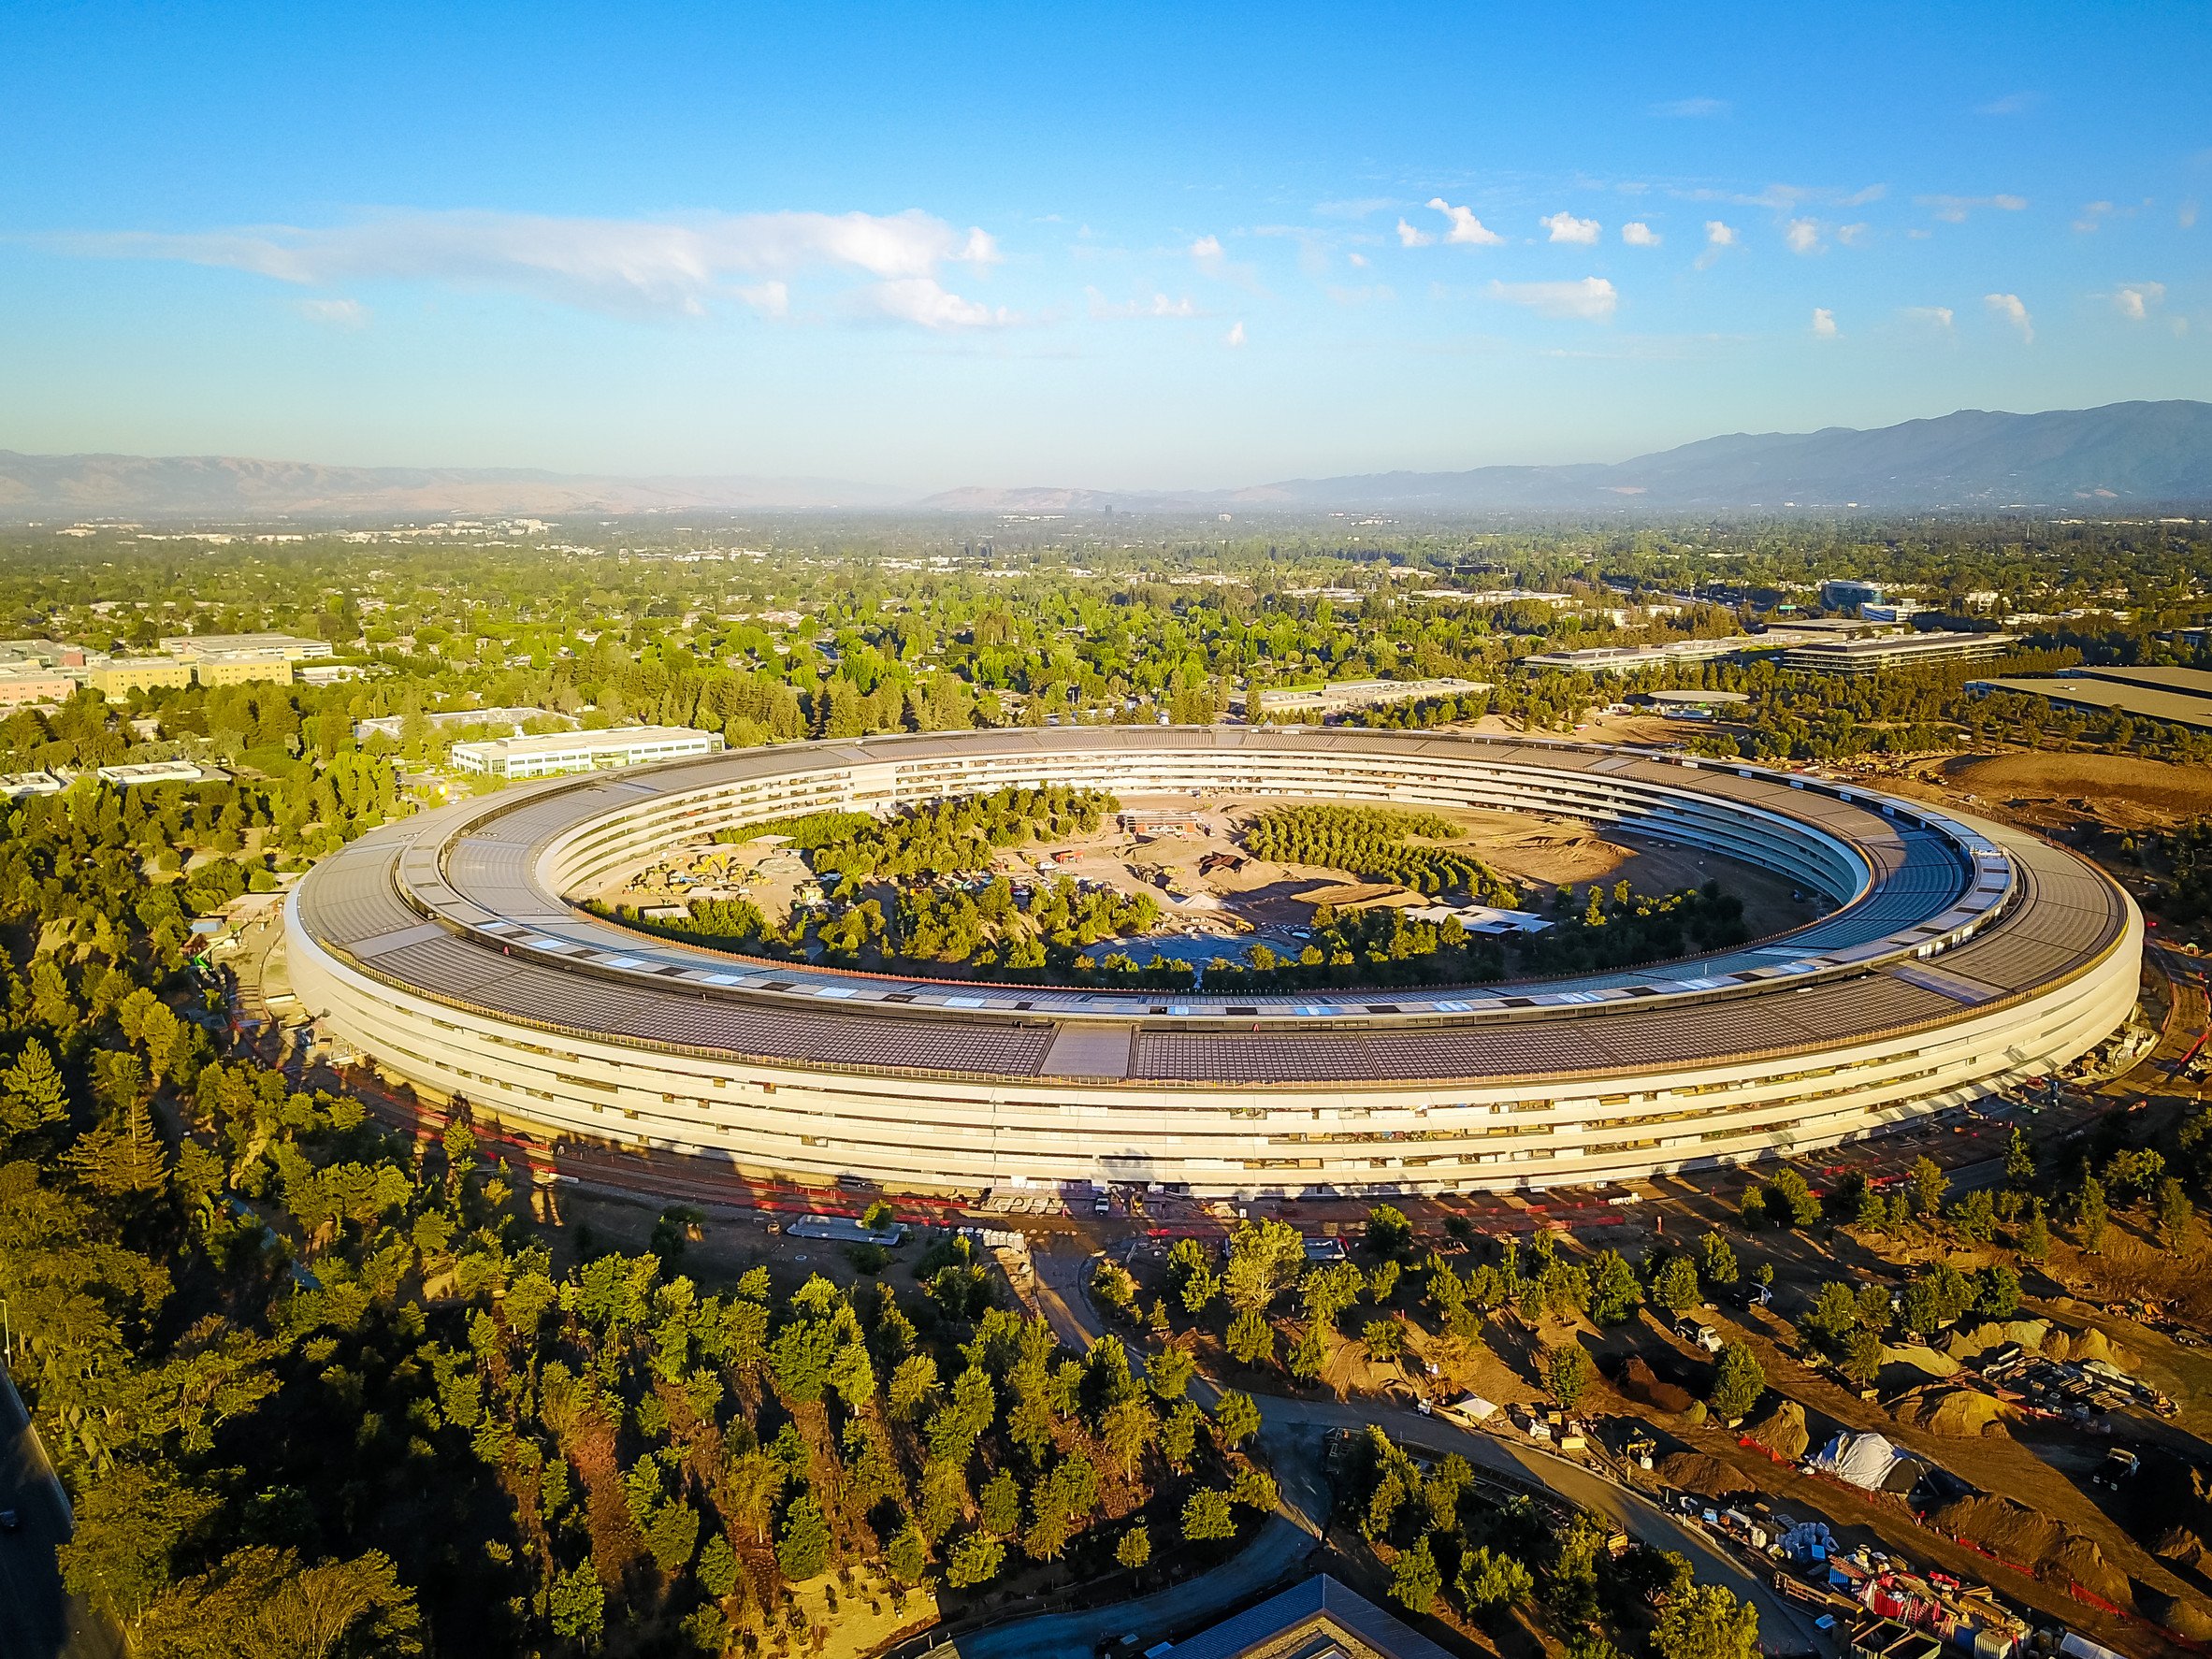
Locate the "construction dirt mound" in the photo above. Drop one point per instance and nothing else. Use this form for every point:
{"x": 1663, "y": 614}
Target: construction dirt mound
{"x": 1639, "y": 1382}
{"x": 2185, "y": 1616}
{"x": 1693, "y": 1471}
{"x": 1966, "y": 1344}
{"x": 1956, "y": 1413}
{"x": 2181, "y": 1546}
{"x": 1925, "y": 1361}
{"x": 2050, "y": 1550}
{"x": 1783, "y": 1432}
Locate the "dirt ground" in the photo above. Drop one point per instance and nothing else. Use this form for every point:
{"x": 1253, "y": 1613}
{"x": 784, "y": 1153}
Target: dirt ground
{"x": 2063, "y": 791}
{"x": 1652, "y": 731}
{"x": 863, "y": 1617}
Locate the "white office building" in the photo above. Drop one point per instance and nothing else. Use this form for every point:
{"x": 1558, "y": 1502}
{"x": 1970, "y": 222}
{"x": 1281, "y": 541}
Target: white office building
{"x": 583, "y": 751}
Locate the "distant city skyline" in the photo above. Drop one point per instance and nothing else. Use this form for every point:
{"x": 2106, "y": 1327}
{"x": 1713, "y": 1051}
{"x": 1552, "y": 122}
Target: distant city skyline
{"x": 982, "y": 246}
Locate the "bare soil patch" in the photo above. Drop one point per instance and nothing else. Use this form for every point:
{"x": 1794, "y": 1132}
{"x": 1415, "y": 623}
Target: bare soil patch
{"x": 2113, "y": 791}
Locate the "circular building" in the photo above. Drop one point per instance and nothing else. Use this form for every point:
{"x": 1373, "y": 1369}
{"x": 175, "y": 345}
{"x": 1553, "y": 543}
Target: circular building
{"x": 1960, "y": 957}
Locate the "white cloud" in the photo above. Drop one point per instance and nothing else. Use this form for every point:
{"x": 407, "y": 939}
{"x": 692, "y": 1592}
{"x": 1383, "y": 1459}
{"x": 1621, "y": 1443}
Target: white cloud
{"x": 1212, "y": 259}
{"x": 1802, "y": 235}
{"x": 2007, "y": 308}
{"x": 1852, "y": 235}
{"x": 2135, "y": 301}
{"x": 1717, "y": 236}
{"x": 921, "y": 300}
{"x": 1359, "y": 260}
{"x": 349, "y": 314}
{"x": 1234, "y": 337}
{"x": 1107, "y": 310}
{"x": 1639, "y": 235}
{"x": 1691, "y": 108}
{"x": 1465, "y": 229}
{"x": 674, "y": 266}
{"x": 1932, "y": 316}
{"x": 2185, "y": 215}
{"x": 1409, "y": 237}
{"x": 1823, "y": 322}
{"x": 1591, "y": 301}
{"x": 2092, "y": 215}
{"x": 1566, "y": 227}
{"x": 2011, "y": 104}
{"x": 1954, "y": 209}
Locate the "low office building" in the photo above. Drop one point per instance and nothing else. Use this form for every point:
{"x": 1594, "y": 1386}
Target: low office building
{"x": 1888, "y": 654}
{"x": 242, "y": 667}
{"x": 1346, "y": 696}
{"x": 292, "y": 647}
{"x": 1808, "y": 630}
{"x": 51, "y": 654}
{"x": 513, "y": 719}
{"x": 158, "y": 772}
{"x": 14, "y": 785}
{"x": 583, "y": 751}
{"x": 117, "y": 677}
{"x": 1627, "y": 659}
{"x": 31, "y": 684}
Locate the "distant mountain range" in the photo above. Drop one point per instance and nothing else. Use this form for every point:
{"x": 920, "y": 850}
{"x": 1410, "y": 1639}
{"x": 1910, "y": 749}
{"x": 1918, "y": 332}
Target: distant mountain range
{"x": 2122, "y": 454}
{"x": 229, "y": 487}
{"x": 2141, "y": 453}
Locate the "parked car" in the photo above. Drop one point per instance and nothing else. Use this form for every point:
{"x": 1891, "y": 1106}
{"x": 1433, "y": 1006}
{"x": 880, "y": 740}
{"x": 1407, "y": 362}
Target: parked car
{"x": 1698, "y": 1335}
{"x": 2119, "y": 1467}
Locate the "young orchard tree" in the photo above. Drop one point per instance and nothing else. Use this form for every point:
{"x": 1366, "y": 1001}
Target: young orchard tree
{"x": 1568, "y": 1371}
{"x": 1737, "y": 1382}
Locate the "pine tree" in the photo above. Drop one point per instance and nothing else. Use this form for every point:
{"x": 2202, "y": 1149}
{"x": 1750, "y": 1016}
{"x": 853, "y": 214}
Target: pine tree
{"x": 119, "y": 1158}
{"x": 2091, "y": 1213}
{"x": 31, "y": 1091}
{"x": 1250, "y": 1337}
{"x": 803, "y": 1550}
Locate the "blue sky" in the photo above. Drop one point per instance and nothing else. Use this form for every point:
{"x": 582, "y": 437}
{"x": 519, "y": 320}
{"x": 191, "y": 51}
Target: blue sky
{"x": 1122, "y": 247}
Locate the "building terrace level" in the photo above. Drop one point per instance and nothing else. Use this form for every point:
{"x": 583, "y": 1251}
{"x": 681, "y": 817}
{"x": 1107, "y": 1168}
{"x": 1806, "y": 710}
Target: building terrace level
{"x": 1958, "y": 955}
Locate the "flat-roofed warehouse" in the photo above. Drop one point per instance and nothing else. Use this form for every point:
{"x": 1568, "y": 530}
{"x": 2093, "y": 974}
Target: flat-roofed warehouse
{"x": 2085, "y": 696}
{"x": 1959, "y": 958}
{"x": 2196, "y": 682}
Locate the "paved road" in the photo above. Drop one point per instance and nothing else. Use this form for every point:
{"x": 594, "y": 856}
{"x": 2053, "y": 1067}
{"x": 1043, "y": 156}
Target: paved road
{"x": 37, "y": 1618}
{"x": 1271, "y": 1557}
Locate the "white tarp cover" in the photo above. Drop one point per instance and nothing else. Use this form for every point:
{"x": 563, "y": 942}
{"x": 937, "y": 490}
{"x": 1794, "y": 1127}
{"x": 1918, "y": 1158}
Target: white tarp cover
{"x": 1863, "y": 1460}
